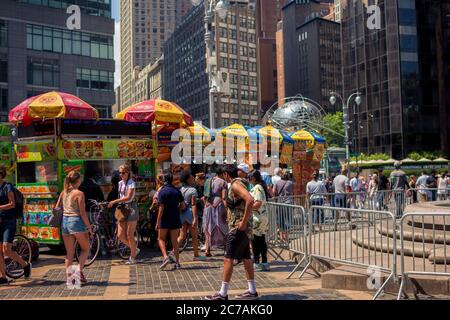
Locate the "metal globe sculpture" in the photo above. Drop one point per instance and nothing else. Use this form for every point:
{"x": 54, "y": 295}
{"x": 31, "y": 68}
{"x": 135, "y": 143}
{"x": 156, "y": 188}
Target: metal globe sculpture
{"x": 296, "y": 113}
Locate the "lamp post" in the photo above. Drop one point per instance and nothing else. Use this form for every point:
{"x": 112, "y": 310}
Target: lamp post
{"x": 345, "y": 107}
{"x": 221, "y": 8}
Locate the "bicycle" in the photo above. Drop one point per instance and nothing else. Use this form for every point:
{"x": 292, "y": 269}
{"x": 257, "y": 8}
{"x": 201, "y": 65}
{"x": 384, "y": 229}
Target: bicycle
{"x": 22, "y": 246}
{"x": 146, "y": 230}
{"x": 188, "y": 238}
{"x": 101, "y": 230}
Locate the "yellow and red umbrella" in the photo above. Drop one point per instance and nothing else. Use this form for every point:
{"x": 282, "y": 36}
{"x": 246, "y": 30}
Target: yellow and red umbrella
{"x": 155, "y": 110}
{"x": 52, "y": 105}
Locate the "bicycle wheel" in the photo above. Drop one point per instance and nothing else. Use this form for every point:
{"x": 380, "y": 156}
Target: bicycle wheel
{"x": 147, "y": 234}
{"x": 185, "y": 242}
{"x": 94, "y": 244}
{"x": 123, "y": 251}
{"x": 22, "y": 246}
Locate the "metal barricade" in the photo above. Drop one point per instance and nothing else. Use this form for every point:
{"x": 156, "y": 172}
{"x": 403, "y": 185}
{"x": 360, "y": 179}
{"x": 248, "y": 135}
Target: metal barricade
{"x": 352, "y": 237}
{"x": 428, "y": 250}
{"x": 287, "y": 230}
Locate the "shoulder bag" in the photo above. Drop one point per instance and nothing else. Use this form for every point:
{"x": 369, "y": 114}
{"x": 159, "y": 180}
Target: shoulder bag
{"x": 123, "y": 210}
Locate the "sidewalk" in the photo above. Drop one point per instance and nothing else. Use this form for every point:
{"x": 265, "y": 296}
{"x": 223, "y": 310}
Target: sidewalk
{"x": 113, "y": 280}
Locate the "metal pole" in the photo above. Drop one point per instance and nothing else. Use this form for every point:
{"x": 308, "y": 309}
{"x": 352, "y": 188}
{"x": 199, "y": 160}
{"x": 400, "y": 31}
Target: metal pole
{"x": 209, "y": 48}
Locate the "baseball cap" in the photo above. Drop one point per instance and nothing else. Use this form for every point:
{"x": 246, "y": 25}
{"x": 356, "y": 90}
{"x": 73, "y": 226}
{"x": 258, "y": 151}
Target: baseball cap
{"x": 244, "y": 168}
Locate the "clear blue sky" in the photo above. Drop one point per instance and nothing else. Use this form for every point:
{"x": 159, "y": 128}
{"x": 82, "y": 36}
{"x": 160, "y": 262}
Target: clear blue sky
{"x": 115, "y": 9}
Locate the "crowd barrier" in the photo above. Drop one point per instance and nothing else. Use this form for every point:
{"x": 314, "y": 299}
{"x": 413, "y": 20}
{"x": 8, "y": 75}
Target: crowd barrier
{"x": 358, "y": 237}
{"x": 286, "y": 230}
{"x": 382, "y": 200}
{"x": 428, "y": 235}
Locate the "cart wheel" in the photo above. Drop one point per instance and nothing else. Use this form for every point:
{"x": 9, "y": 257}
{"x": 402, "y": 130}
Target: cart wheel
{"x": 22, "y": 246}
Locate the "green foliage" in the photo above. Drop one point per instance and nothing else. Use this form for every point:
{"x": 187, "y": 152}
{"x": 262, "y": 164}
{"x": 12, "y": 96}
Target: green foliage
{"x": 425, "y": 154}
{"x": 371, "y": 157}
{"x": 335, "y": 122}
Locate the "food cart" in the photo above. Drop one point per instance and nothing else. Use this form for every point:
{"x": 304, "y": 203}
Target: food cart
{"x": 309, "y": 149}
{"x": 48, "y": 150}
{"x": 166, "y": 117}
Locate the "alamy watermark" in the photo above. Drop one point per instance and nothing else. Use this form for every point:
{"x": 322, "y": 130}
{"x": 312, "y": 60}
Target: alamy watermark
{"x": 73, "y": 22}
{"x": 73, "y": 277}
{"x": 374, "y": 279}
{"x": 374, "y": 19}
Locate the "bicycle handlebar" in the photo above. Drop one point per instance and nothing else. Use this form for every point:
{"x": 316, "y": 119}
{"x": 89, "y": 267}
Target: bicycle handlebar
{"x": 96, "y": 203}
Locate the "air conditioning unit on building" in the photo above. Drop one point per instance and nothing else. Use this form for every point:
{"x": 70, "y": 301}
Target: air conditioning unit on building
{"x": 252, "y": 5}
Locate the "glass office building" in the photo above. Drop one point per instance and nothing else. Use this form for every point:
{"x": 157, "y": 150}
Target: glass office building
{"x": 395, "y": 68}
{"x": 38, "y": 53}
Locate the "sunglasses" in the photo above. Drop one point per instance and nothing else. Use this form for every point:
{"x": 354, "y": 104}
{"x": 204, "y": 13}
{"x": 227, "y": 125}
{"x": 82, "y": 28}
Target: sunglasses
{"x": 122, "y": 172}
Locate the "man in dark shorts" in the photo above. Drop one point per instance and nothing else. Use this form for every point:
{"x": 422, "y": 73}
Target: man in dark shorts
{"x": 8, "y": 227}
{"x": 237, "y": 247}
{"x": 171, "y": 202}
{"x": 383, "y": 187}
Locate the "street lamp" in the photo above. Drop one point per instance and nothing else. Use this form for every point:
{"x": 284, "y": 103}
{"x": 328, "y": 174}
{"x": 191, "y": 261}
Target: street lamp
{"x": 345, "y": 107}
{"x": 221, "y": 8}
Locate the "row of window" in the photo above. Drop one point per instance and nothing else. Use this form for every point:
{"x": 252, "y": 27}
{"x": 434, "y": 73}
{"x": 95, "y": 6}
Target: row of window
{"x": 69, "y": 42}
{"x": 43, "y": 72}
{"x": 244, "y": 22}
{"x": 245, "y": 80}
{"x": 95, "y": 79}
{"x": 232, "y": 34}
{"x": 245, "y": 94}
{"x": 232, "y": 64}
{"x": 232, "y": 49}
{"x": 100, "y": 8}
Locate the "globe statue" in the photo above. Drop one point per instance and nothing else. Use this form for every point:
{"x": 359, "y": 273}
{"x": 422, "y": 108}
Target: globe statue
{"x": 296, "y": 113}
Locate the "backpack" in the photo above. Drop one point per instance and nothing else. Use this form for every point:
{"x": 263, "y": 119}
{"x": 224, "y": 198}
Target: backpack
{"x": 208, "y": 189}
{"x": 19, "y": 201}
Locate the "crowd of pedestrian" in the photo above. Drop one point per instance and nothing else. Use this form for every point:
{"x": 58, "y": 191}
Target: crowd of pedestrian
{"x": 225, "y": 207}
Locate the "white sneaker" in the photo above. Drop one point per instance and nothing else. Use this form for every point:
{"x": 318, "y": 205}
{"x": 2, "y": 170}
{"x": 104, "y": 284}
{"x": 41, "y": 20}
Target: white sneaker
{"x": 203, "y": 248}
{"x": 130, "y": 261}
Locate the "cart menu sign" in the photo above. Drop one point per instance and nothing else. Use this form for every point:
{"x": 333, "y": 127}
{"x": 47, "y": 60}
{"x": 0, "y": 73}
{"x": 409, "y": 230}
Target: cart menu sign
{"x": 35, "y": 151}
{"x": 106, "y": 149}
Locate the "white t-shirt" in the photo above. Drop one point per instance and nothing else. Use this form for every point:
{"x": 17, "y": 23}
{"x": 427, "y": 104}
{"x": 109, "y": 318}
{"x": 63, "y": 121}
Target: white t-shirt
{"x": 442, "y": 185}
{"x": 123, "y": 190}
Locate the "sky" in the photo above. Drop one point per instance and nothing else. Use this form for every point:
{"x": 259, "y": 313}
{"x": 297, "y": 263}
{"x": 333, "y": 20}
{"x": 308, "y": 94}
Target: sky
{"x": 115, "y": 15}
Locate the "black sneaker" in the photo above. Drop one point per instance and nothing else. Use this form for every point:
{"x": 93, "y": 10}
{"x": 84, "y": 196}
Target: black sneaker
{"x": 247, "y": 295}
{"x": 4, "y": 281}
{"x": 27, "y": 271}
{"x": 216, "y": 296}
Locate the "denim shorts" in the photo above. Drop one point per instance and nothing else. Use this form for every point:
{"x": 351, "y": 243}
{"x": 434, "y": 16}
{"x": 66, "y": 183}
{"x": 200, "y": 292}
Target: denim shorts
{"x": 7, "y": 230}
{"x": 187, "y": 216}
{"x": 72, "y": 225}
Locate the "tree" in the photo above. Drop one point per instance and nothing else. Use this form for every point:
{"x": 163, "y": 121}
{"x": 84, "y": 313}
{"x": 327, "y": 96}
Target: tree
{"x": 335, "y": 123}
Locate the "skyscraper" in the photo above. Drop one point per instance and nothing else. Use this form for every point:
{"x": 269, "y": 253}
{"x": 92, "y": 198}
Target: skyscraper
{"x": 38, "y": 52}
{"x": 144, "y": 26}
{"x": 268, "y": 13}
{"x": 311, "y": 51}
{"x": 402, "y": 70}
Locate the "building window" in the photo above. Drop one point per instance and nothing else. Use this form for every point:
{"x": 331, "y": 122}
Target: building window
{"x": 43, "y": 72}
{"x": 95, "y": 79}
{"x": 69, "y": 42}
{"x": 3, "y": 33}
{"x": 3, "y": 68}
{"x": 4, "y": 100}
{"x": 100, "y": 8}
{"x": 103, "y": 111}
